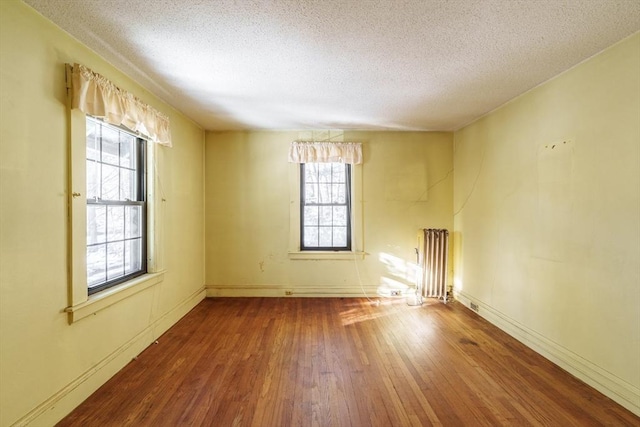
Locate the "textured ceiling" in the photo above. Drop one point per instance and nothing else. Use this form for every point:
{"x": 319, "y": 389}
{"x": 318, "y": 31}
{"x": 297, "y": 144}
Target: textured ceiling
{"x": 342, "y": 64}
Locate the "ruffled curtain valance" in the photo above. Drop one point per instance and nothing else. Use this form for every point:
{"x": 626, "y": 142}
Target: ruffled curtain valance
{"x": 97, "y": 96}
{"x": 325, "y": 152}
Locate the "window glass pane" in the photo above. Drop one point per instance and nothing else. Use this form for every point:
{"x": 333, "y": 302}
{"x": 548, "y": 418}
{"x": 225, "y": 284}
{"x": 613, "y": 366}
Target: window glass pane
{"x": 324, "y": 172}
{"x": 96, "y": 224}
{"x": 311, "y": 172}
{"x": 93, "y": 146}
{"x": 115, "y": 260}
{"x": 127, "y": 150}
{"x": 110, "y": 182}
{"x": 110, "y": 145}
{"x": 326, "y": 215}
{"x": 340, "y": 215}
{"x": 338, "y": 172}
{"x": 324, "y": 238}
{"x": 338, "y": 193}
{"x": 310, "y": 236}
{"x": 310, "y": 215}
{"x": 133, "y": 225}
{"x": 311, "y": 193}
{"x": 133, "y": 259}
{"x": 96, "y": 267}
{"x": 324, "y": 195}
{"x": 115, "y": 223}
{"x": 340, "y": 236}
{"x": 127, "y": 185}
{"x": 93, "y": 179}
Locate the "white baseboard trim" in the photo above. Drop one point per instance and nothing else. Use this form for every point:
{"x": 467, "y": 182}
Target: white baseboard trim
{"x": 289, "y": 291}
{"x": 66, "y": 399}
{"x": 605, "y": 382}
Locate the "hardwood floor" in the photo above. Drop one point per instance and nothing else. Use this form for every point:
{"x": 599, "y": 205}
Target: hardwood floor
{"x": 341, "y": 362}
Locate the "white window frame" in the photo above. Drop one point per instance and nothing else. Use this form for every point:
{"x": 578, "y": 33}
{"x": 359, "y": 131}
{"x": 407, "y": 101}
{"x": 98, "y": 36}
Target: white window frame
{"x": 357, "y": 240}
{"x": 80, "y": 304}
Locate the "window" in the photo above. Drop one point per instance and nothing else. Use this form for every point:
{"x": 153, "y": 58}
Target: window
{"x": 325, "y": 206}
{"x": 116, "y": 205}
{"x": 325, "y": 198}
{"x": 115, "y": 197}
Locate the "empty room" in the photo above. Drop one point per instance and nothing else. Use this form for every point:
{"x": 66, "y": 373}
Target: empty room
{"x": 319, "y": 213}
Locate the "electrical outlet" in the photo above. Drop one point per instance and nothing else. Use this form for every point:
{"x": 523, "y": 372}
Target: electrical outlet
{"x": 473, "y": 306}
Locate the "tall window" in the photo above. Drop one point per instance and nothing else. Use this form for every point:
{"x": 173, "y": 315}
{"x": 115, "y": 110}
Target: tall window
{"x": 325, "y": 206}
{"x": 116, "y": 206}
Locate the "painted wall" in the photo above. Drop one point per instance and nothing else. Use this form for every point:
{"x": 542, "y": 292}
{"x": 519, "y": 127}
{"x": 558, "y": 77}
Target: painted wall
{"x": 407, "y": 184}
{"x": 547, "y": 217}
{"x": 47, "y": 366}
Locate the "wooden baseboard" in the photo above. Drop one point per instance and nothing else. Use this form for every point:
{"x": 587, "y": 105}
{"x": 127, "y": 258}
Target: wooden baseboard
{"x": 608, "y": 384}
{"x": 66, "y": 399}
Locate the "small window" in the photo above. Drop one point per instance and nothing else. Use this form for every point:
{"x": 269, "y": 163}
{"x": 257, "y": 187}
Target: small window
{"x": 325, "y": 206}
{"x": 116, "y": 205}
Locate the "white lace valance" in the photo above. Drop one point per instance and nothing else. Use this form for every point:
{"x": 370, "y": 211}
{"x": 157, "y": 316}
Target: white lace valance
{"x": 325, "y": 152}
{"x": 97, "y": 96}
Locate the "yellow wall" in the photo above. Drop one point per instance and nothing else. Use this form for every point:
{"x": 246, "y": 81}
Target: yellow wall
{"x": 47, "y": 366}
{"x": 547, "y": 218}
{"x": 406, "y": 185}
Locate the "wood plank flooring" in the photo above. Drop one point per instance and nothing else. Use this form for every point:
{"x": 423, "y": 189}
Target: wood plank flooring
{"x": 341, "y": 362}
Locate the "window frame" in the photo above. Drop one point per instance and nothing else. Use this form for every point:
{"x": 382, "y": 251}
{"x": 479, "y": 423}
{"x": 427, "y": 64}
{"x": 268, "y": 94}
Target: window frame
{"x": 347, "y": 204}
{"x": 357, "y": 222}
{"x": 140, "y": 200}
{"x": 79, "y": 303}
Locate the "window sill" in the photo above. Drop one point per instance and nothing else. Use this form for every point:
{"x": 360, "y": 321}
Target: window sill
{"x": 112, "y": 295}
{"x": 326, "y": 255}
